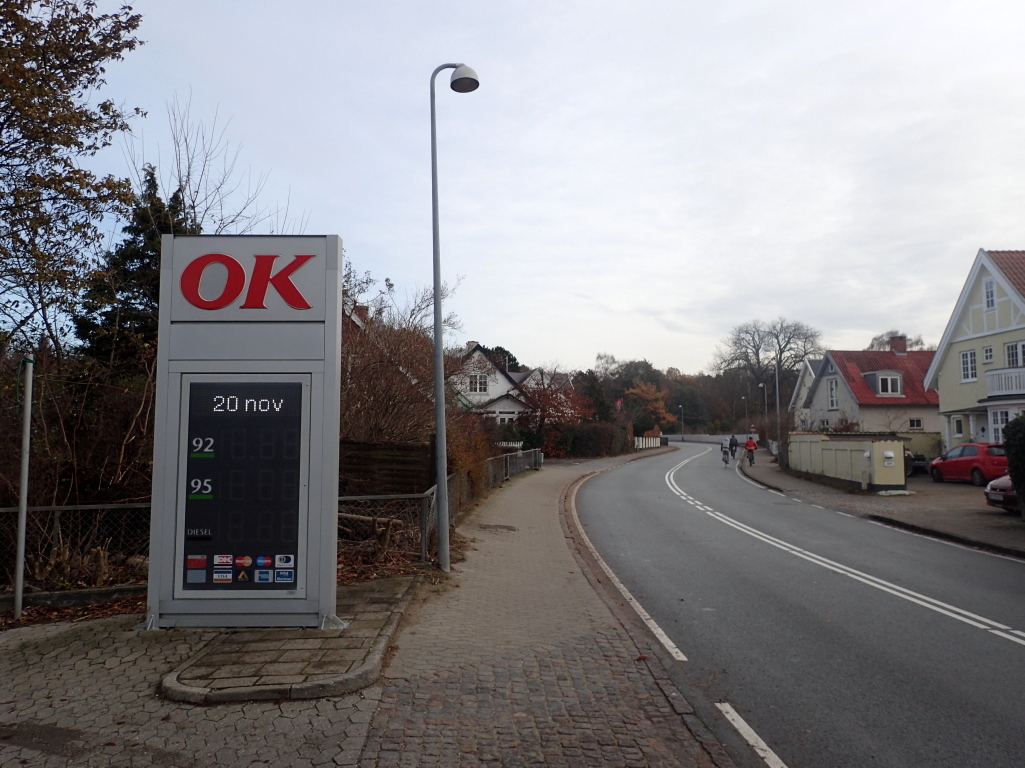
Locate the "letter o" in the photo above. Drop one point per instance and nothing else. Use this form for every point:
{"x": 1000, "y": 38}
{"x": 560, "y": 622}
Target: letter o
{"x": 193, "y": 274}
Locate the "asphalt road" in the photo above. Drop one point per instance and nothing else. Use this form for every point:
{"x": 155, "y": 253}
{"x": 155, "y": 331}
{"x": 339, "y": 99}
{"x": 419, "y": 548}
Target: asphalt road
{"x": 840, "y": 642}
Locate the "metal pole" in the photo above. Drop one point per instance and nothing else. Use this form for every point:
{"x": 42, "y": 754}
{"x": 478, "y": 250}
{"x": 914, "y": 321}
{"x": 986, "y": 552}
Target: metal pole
{"x": 441, "y": 448}
{"x": 777, "y": 410}
{"x": 466, "y": 80}
{"x": 26, "y": 436}
{"x": 765, "y": 391}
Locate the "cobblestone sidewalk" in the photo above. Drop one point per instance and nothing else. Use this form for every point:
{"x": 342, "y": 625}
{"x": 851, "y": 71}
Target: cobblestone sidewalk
{"x": 76, "y": 695}
{"x": 521, "y": 663}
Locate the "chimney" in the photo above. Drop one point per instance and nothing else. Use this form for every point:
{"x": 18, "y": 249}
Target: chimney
{"x": 899, "y": 345}
{"x": 471, "y": 344}
{"x": 362, "y": 311}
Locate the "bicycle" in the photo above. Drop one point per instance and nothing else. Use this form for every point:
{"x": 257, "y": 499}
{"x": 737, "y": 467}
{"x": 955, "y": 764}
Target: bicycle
{"x": 750, "y": 457}
{"x": 726, "y": 456}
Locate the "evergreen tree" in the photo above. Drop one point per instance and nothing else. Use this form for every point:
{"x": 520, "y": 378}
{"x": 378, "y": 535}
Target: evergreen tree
{"x": 117, "y": 322}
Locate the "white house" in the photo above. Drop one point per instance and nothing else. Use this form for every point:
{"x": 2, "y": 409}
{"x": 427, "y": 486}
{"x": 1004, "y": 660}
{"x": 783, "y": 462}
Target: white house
{"x": 489, "y": 388}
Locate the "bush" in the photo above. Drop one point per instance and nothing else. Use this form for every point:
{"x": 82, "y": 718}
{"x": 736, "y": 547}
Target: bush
{"x": 1014, "y": 444}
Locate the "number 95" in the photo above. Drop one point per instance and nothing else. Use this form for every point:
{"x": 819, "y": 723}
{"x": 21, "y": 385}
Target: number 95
{"x": 200, "y": 486}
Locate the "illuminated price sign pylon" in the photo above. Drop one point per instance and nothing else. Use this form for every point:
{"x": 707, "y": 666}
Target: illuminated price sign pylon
{"x": 245, "y": 470}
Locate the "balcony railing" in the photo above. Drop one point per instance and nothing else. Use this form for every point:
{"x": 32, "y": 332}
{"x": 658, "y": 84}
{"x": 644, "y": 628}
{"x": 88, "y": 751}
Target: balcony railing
{"x": 1005, "y": 381}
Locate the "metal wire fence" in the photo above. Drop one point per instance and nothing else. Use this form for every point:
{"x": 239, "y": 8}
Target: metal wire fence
{"x": 378, "y": 527}
{"x": 501, "y": 468}
{"x": 87, "y": 545}
{"x": 93, "y": 545}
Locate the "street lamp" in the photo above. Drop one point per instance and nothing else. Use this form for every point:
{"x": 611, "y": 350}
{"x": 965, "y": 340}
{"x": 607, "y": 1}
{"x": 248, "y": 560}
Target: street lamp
{"x": 765, "y": 391}
{"x": 747, "y": 419}
{"x": 464, "y": 80}
{"x": 778, "y": 436}
{"x": 681, "y": 423}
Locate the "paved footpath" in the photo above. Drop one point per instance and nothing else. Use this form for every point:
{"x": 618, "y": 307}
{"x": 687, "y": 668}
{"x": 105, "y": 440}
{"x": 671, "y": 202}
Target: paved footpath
{"x": 521, "y": 663}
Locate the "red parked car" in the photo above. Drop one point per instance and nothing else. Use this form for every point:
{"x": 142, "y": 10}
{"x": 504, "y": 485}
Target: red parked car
{"x": 975, "y": 462}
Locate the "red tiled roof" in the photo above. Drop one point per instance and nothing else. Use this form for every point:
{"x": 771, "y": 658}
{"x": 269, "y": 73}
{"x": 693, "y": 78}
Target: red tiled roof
{"x": 1012, "y": 264}
{"x": 911, "y": 367}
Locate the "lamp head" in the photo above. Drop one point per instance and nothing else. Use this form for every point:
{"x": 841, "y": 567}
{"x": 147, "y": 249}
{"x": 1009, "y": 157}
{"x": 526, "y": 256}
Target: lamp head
{"x": 464, "y": 79}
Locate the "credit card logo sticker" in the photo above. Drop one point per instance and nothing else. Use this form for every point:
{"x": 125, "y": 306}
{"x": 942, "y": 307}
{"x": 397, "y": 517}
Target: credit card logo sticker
{"x": 243, "y": 576}
{"x": 195, "y": 561}
{"x": 222, "y": 559}
{"x": 287, "y": 576}
{"x": 243, "y": 561}
{"x": 222, "y": 576}
{"x": 263, "y": 561}
{"x": 195, "y": 577}
{"x": 263, "y": 577}
{"x": 284, "y": 561}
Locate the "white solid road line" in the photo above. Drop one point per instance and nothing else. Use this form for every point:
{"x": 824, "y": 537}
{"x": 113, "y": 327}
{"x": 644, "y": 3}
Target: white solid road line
{"x": 656, "y": 630}
{"x": 771, "y": 758}
{"x": 951, "y": 611}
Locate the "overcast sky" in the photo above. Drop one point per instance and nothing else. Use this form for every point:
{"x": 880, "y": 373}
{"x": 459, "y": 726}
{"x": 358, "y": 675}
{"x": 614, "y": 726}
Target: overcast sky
{"x": 630, "y": 178}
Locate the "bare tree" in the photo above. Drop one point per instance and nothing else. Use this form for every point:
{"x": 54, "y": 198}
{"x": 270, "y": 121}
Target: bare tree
{"x": 758, "y": 348}
{"x": 218, "y": 196}
{"x": 388, "y": 362}
{"x": 882, "y": 342}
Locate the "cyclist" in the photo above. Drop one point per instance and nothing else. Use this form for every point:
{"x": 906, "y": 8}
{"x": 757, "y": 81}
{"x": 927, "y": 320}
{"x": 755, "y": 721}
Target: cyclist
{"x": 750, "y": 447}
{"x": 733, "y": 446}
{"x": 725, "y": 451}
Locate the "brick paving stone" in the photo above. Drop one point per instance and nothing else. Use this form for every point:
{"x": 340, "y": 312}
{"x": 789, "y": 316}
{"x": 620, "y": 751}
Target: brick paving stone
{"x": 523, "y": 664}
{"x": 53, "y": 695}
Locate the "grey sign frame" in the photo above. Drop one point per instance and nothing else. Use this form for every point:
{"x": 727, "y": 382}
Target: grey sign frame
{"x": 270, "y": 340}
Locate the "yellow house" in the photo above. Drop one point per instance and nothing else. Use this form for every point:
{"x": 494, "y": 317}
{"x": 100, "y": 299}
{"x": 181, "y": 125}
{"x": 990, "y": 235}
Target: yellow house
{"x": 979, "y": 367}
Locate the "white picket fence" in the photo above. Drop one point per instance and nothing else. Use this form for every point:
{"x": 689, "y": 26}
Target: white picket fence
{"x": 647, "y": 442}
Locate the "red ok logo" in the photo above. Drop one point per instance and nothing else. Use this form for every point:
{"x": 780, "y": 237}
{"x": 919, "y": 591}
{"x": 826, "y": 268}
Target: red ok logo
{"x": 263, "y": 278}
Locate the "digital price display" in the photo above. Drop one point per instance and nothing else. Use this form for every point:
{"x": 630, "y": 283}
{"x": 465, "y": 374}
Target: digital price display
{"x": 243, "y": 486}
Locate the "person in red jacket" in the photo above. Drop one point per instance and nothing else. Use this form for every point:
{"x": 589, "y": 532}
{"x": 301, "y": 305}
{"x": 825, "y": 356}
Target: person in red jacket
{"x": 750, "y": 446}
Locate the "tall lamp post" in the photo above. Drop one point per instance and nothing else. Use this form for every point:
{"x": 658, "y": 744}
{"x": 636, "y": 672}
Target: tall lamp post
{"x": 681, "y": 423}
{"x": 747, "y": 419}
{"x": 778, "y": 436}
{"x": 765, "y": 391}
{"x": 464, "y": 80}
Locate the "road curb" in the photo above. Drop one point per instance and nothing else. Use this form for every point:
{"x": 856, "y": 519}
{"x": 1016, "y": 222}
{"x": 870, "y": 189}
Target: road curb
{"x": 363, "y": 676}
{"x": 953, "y": 538}
{"x": 921, "y": 530}
{"x": 756, "y": 480}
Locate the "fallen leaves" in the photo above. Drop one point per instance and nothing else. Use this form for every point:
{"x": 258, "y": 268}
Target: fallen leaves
{"x": 41, "y": 614}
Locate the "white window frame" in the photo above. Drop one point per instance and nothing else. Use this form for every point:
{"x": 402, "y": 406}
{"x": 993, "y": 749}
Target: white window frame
{"x": 957, "y": 426}
{"x": 990, "y": 294}
{"x": 889, "y": 385}
{"x": 914, "y": 423}
{"x": 832, "y": 394}
{"x": 1012, "y": 356}
{"x": 823, "y": 424}
{"x": 987, "y": 354}
{"x": 476, "y": 381}
{"x": 998, "y": 420}
{"x": 969, "y": 371}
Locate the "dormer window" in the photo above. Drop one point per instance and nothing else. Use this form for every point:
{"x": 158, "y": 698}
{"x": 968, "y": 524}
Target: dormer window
{"x": 889, "y": 385}
{"x": 478, "y": 382}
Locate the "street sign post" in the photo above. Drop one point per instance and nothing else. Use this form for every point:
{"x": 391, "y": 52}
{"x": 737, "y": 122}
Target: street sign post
{"x": 245, "y": 467}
